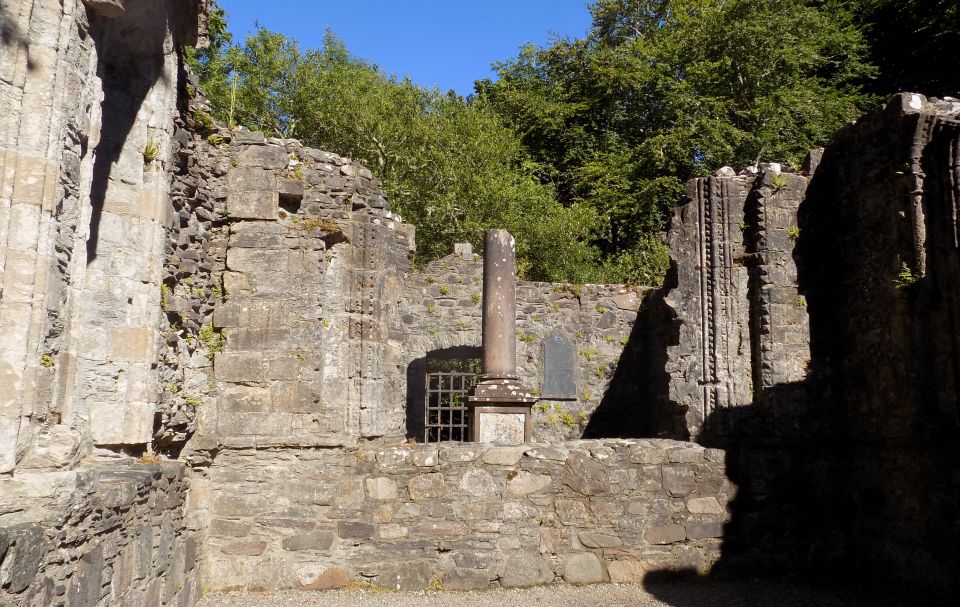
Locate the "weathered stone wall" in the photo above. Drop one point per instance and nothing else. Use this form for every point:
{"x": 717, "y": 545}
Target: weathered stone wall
{"x": 880, "y": 246}
{"x": 84, "y": 209}
{"x": 742, "y": 323}
{"x": 309, "y": 258}
{"x": 467, "y": 516}
{"x": 112, "y": 535}
{"x": 441, "y": 315}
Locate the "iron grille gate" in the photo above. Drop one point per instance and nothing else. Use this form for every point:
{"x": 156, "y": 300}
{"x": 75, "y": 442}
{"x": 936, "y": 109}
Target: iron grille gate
{"x": 445, "y": 417}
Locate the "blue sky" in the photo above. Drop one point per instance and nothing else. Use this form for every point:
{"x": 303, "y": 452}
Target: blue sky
{"x": 447, "y": 43}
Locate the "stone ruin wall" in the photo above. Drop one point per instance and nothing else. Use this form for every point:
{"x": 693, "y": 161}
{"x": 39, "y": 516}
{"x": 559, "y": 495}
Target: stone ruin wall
{"x": 108, "y": 534}
{"x": 743, "y": 324}
{"x": 441, "y": 311}
{"x": 463, "y": 516}
{"x": 90, "y": 101}
{"x": 247, "y": 306}
{"x": 880, "y": 242}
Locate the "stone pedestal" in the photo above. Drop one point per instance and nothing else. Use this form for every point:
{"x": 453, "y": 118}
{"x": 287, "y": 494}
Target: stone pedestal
{"x": 499, "y": 405}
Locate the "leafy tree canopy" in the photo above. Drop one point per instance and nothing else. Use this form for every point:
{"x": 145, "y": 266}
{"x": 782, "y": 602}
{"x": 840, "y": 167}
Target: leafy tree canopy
{"x": 582, "y": 147}
{"x": 449, "y": 166}
{"x": 660, "y": 91}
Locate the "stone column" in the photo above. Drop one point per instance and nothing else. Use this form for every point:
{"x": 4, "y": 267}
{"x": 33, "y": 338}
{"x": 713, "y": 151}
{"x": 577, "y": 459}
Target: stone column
{"x": 499, "y": 306}
{"x": 499, "y": 405}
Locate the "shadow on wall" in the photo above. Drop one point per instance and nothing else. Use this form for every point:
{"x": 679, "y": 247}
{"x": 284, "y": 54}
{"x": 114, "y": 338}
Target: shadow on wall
{"x": 854, "y": 473}
{"x": 457, "y": 358}
{"x": 635, "y": 404}
{"x": 12, "y": 36}
{"x": 130, "y": 55}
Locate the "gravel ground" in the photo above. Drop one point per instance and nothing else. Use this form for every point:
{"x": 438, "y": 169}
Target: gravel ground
{"x": 679, "y": 594}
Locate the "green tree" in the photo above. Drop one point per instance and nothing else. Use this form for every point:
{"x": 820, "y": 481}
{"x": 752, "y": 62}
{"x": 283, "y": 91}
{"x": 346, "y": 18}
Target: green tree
{"x": 911, "y": 43}
{"x": 448, "y": 165}
{"x": 663, "y": 90}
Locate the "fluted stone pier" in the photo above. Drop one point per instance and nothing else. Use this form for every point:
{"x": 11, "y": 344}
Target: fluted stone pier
{"x": 499, "y": 405}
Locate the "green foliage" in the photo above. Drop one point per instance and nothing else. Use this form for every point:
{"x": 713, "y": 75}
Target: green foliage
{"x": 193, "y": 401}
{"x": 46, "y": 361}
{"x": 793, "y": 233}
{"x": 582, "y": 147}
{"x": 909, "y": 42}
{"x": 164, "y": 293}
{"x": 444, "y": 290}
{"x": 778, "y": 182}
{"x": 449, "y": 165}
{"x": 589, "y": 354}
{"x": 213, "y": 340}
{"x": 526, "y": 338}
{"x": 151, "y": 151}
{"x": 475, "y": 298}
{"x": 216, "y": 140}
{"x": 660, "y": 91}
{"x": 906, "y": 278}
{"x": 204, "y": 122}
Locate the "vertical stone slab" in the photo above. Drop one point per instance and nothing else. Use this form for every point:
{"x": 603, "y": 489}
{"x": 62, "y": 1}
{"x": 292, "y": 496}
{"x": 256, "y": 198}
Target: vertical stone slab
{"x": 559, "y": 367}
{"x": 710, "y": 366}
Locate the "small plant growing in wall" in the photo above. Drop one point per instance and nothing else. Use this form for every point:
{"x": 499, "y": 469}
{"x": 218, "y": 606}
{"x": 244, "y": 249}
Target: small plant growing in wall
{"x": 742, "y": 224}
{"x": 216, "y": 140}
{"x": 463, "y": 325}
{"x": 444, "y": 290}
{"x": 793, "y": 233}
{"x": 164, "y": 293}
{"x": 624, "y": 341}
{"x": 193, "y": 401}
{"x": 801, "y": 302}
{"x": 475, "y": 298}
{"x": 542, "y": 407}
{"x": 601, "y": 309}
{"x": 431, "y": 308}
{"x": 906, "y": 278}
{"x": 213, "y": 340}
{"x": 46, "y": 361}
{"x": 526, "y": 338}
{"x": 567, "y": 420}
{"x": 204, "y": 121}
{"x": 151, "y": 151}
{"x": 589, "y": 354}
{"x": 778, "y": 182}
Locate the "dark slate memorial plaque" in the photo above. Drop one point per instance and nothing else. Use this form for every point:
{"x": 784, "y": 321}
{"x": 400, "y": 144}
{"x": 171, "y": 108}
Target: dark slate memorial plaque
{"x": 559, "y": 367}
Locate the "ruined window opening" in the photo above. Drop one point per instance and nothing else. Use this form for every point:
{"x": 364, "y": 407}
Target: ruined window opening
{"x": 290, "y": 203}
{"x": 447, "y": 386}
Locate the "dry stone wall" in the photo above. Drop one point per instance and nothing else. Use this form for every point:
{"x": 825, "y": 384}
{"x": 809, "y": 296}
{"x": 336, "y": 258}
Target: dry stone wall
{"x": 463, "y": 516}
{"x": 106, "y": 535}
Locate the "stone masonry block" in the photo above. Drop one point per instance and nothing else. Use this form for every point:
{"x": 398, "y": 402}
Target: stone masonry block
{"x": 264, "y": 156}
{"x": 253, "y": 205}
{"x": 133, "y": 344}
{"x": 239, "y": 367}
